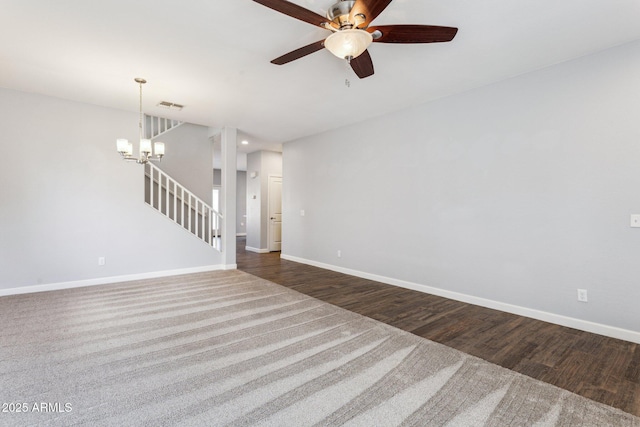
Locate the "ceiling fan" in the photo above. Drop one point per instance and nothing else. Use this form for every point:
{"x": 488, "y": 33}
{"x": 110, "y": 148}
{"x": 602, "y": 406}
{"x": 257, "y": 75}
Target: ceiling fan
{"x": 349, "y": 21}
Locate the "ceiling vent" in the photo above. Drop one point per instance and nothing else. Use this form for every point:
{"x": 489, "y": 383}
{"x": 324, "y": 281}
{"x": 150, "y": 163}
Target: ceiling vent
{"x": 170, "y": 105}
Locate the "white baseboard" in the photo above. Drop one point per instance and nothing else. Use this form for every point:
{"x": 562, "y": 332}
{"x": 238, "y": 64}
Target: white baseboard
{"x": 256, "y": 250}
{"x": 112, "y": 279}
{"x": 583, "y": 325}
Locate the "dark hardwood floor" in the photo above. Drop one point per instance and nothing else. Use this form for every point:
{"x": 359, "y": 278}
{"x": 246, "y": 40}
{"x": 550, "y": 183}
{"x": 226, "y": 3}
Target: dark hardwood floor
{"x": 603, "y": 369}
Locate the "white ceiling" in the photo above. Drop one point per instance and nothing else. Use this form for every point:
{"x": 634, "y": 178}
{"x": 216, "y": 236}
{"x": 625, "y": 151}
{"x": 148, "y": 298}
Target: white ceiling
{"x": 213, "y": 56}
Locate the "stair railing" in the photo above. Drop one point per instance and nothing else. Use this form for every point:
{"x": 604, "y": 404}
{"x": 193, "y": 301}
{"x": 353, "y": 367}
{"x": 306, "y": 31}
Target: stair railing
{"x": 155, "y": 126}
{"x": 180, "y": 205}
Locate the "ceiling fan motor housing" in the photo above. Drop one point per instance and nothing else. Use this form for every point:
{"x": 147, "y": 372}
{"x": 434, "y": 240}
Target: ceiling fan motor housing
{"x": 339, "y": 13}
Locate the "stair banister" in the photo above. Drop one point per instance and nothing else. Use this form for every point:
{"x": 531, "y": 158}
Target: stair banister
{"x": 168, "y": 197}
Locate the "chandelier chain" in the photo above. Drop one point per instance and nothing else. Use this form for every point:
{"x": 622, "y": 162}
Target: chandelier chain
{"x": 140, "y": 124}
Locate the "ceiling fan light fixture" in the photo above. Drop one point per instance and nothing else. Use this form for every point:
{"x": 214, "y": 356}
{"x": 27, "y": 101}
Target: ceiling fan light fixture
{"x": 348, "y": 43}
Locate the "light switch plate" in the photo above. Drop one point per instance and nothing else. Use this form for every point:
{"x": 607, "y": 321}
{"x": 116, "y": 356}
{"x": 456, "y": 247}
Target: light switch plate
{"x": 635, "y": 220}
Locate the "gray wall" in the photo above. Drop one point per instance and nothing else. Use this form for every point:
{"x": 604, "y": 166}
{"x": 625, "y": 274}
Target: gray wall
{"x": 189, "y": 158}
{"x": 241, "y": 198}
{"x": 241, "y": 202}
{"x": 67, "y": 198}
{"x": 519, "y": 192}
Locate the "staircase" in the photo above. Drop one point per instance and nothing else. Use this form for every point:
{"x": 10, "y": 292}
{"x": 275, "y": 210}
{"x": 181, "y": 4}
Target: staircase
{"x": 181, "y": 206}
{"x": 155, "y": 126}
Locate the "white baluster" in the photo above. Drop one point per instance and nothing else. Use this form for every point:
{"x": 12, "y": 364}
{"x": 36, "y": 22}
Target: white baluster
{"x": 175, "y": 204}
{"x": 182, "y": 206}
{"x": 151, "y": 184}
{"x": 189, "y": 206}
{"x": 160, "y": 174}
{"x": 166, "y": 198}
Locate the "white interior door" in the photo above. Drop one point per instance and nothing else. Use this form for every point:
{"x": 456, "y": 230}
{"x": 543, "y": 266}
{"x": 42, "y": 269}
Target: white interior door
{"x": 275, "y": 213}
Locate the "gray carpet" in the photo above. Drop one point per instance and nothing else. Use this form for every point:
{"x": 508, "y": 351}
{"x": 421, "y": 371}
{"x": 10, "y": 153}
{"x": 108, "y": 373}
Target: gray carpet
{"x": 228, "y": 348}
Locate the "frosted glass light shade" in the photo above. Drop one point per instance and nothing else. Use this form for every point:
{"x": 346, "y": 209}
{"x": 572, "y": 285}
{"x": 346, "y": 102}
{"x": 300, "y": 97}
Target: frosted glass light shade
{"x": 348, "y": 43}
{"x": 158, "y": 148}
{"x": 145, "y": 146}
{"x": 122, "y": 145}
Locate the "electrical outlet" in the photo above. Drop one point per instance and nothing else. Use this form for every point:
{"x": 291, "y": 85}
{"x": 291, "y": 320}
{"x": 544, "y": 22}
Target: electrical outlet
{"x": 582, "y": 295}
{"x": 635, "y": 220}
{"x": 102, "y": 261}
{"x": 339, "y": 253}
{"x": 302, "y": 213}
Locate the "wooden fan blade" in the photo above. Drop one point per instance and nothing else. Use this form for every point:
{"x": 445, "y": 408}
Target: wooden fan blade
{"x": 294, "y": 11}
{"x": 362, "y": 65}
{"x": 412, "y": 33}
{"x": 369, "y": 8}
{"x": 299, "y": 53}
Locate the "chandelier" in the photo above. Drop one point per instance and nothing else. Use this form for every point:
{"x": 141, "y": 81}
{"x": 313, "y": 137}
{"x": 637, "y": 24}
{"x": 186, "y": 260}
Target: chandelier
{"x": 125, "y": 148}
